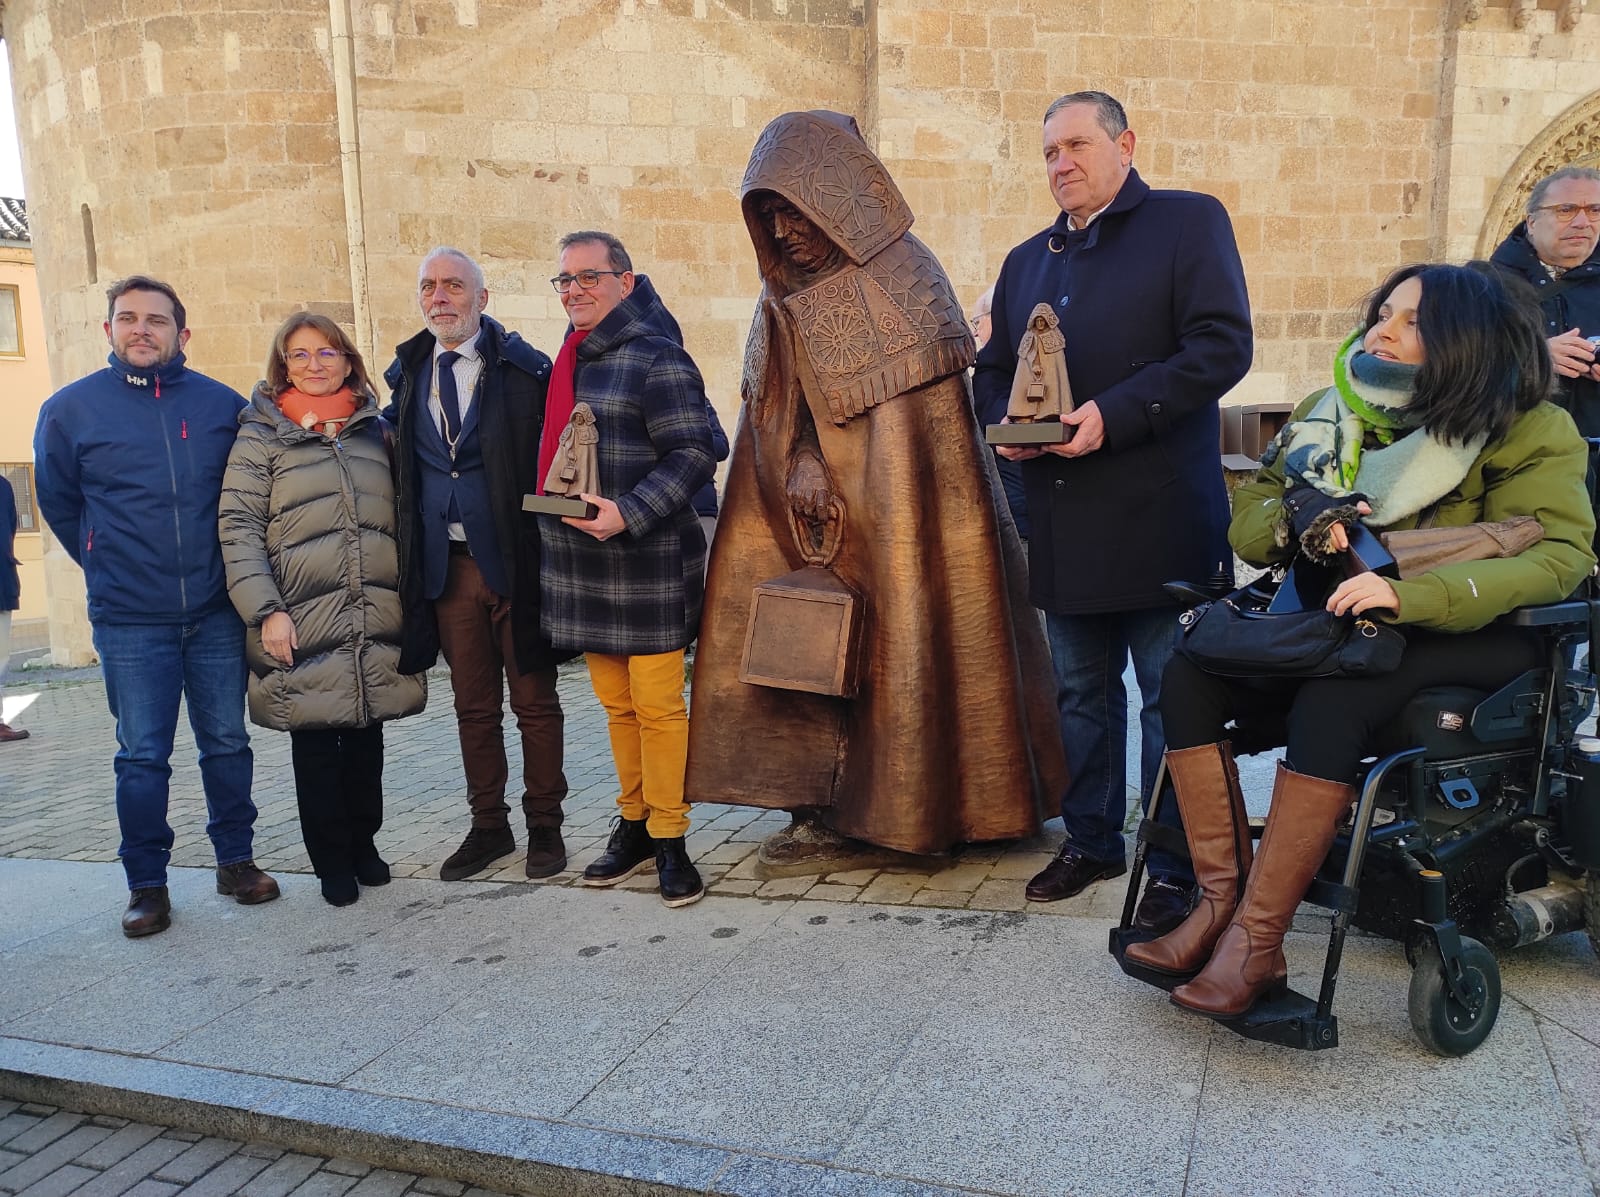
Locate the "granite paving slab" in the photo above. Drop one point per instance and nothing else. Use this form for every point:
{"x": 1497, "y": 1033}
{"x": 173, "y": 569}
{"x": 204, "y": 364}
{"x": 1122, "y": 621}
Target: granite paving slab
{"x": 757, "y": 1046}
{"x": 783, "y": 1050}
{"x": 1380, "y": 1114}
{"x": 1057, "y": 1063}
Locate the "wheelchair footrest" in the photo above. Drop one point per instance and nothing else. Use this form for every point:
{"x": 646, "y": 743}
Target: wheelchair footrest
{"x": 1289, "y": 1021}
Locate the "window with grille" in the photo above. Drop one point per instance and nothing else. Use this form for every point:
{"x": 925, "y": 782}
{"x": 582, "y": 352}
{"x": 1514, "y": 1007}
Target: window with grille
{"x": 20, "y": 475}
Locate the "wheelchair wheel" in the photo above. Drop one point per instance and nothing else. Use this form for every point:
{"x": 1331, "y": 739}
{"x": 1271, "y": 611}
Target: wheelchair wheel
{"x": 1446, "y": 1026}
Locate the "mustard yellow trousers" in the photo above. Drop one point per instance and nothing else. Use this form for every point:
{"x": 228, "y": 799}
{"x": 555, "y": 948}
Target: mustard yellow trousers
{"x": 649, "y": 726}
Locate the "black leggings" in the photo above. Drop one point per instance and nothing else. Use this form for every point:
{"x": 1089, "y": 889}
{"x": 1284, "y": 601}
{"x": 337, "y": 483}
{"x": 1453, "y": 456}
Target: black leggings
{"x": 338, "y": 782}
{"x": 1333, "y": 722}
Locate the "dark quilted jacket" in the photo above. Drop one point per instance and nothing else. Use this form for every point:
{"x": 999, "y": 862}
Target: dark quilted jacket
{"x": 308, "y": 526}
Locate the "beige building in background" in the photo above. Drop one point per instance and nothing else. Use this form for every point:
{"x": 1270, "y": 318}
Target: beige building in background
{"x": 306, "y": 153}
{"x": 24, "y": 385}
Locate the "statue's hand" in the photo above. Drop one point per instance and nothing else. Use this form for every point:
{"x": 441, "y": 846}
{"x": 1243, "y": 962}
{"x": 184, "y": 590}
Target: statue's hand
{"x": 808, "y": 489}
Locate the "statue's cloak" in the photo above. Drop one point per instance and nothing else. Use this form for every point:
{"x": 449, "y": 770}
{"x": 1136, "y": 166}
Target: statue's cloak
{"x": 953, "y": 735}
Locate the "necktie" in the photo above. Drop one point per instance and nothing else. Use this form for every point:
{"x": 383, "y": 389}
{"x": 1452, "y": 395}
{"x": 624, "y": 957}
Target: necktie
{"x": 449, "y": 401}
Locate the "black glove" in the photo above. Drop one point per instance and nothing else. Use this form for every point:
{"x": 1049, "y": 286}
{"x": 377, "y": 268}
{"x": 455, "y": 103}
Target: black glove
{"x": 1305, "y": 503}
{"x": 1311, "y": 514}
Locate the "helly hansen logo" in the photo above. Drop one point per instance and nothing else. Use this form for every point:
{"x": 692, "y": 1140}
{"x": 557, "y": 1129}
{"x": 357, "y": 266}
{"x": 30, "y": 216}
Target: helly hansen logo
{"x": 135, "y": 380}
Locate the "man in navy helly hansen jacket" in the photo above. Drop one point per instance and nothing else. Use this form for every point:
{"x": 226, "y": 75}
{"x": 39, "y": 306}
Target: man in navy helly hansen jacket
{"x": 128, "y": 464}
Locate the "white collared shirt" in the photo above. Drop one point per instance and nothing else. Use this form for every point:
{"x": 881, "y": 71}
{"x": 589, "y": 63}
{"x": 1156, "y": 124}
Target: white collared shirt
{"x": 467, "y": 369}
{"x": 1072, "y": 221}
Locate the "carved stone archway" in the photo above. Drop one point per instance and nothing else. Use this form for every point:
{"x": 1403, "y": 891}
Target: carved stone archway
{"x": 1572, "y": 139}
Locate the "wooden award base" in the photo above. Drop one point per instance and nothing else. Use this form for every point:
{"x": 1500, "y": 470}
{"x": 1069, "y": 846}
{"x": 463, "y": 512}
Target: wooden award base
{"x": 1040, "y": 432}
{"x": 559, "y": 505}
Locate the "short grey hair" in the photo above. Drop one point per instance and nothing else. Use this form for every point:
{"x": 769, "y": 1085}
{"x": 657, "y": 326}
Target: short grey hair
{"x": 615, "y": 253}
{"x": 984, "y": 304}
{"x": 1108, "y": 110}
{"x": 1536, "y": 200}
{"x": 447, "y": 251}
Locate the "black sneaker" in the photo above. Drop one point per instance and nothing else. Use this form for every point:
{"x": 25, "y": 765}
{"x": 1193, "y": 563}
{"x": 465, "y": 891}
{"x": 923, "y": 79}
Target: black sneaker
{"x": 547, "y": 854}
{"x": 482, "y": 847}
{"x": 629, "y": 850}
{"x": 680, "y": 880}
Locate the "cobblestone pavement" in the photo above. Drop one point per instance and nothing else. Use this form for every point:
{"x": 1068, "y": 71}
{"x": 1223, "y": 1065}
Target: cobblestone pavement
{"x": 46, "y": 1152}
{"x": 56, "y": 803}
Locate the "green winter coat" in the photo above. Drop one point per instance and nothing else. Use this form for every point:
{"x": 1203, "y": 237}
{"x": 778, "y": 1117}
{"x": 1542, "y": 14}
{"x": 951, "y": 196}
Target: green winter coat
{"x": 1538, "y": 469}
{"x": 307, "y": 525}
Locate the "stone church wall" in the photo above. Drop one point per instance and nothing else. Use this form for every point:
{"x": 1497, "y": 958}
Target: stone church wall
{"x": 200, "y": 139}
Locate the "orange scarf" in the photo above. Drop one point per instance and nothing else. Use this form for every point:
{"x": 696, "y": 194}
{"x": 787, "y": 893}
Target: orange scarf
{"x": 320, "y": 413}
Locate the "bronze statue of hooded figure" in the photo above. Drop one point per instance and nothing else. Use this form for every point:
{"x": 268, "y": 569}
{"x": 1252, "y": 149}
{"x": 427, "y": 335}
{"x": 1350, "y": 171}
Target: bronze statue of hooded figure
{"x": 858, "y": 433}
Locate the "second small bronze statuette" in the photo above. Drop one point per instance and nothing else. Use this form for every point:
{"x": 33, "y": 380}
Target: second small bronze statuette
{"x": 1040, "y": 392}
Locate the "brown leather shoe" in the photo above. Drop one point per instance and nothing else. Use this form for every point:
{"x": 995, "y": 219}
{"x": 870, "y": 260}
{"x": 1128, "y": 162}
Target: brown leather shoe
{"x": 149, "y": 912}
{"x": 245, "y": 883}
{"x": 1069, "y": 874}
{"x": 9, "y": 733}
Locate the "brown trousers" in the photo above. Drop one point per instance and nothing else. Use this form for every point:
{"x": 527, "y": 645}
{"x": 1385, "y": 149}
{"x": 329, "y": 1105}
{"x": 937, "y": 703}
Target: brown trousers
{"x": 475, "y": 634}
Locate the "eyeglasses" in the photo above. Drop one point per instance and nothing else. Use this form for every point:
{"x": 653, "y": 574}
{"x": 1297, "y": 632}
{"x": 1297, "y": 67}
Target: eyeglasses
{"x": 976, "y": 323}
{"x": 587, "y": 280}
{"x": 302, "y": 357}
{"x": 1567, "y": 213}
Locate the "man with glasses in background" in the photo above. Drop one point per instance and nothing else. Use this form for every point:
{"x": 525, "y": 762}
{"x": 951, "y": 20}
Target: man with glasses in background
{"x": 625, "y": 587}
{"x": 1557, "y": 249}
{"x": 128, "y": 466}
{"x": 467, "y": 405}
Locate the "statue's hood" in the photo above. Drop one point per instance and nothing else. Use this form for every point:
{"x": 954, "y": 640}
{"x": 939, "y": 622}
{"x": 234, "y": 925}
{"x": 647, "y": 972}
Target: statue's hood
{"x": 820, "y": 164}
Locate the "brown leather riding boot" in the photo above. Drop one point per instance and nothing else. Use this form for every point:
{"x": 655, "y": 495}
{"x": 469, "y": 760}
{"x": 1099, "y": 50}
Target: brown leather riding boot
{"x": 1206, "y": 781}
{"x": 1248, "y": 960}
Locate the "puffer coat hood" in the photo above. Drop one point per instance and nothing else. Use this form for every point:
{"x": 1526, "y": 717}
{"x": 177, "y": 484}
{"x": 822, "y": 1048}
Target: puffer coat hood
{"x": 307, "y": 525}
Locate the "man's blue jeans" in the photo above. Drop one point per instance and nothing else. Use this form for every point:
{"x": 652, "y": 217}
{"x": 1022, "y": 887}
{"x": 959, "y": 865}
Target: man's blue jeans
{"x": 146, "y": 668}
{"x": 1090, "y": 653}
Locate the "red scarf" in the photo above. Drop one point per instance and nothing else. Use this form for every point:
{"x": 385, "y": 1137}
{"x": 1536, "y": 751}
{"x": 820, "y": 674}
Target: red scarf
{"x": 559, "y": 401}
{"x": 324, "y": 413}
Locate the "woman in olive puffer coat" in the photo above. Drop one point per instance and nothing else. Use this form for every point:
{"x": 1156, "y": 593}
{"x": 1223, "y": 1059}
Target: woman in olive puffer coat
{"x": 307, "y": 525}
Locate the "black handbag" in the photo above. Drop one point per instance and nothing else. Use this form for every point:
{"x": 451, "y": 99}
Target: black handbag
{"x": 1238, "y": 636}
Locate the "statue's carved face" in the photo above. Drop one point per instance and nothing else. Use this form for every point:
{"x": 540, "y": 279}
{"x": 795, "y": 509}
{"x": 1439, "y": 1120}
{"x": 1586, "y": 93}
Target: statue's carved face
{"x": 800, "y": 241}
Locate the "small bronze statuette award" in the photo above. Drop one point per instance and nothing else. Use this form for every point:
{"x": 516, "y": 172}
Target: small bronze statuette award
{"x": 1040, "y": 392}
{"x": 575, "y": 470}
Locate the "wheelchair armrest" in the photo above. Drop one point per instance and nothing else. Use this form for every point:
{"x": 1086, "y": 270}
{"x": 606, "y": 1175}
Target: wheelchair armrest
{"x": 1572, "y": 613}
{"x": 1193, "y": 594}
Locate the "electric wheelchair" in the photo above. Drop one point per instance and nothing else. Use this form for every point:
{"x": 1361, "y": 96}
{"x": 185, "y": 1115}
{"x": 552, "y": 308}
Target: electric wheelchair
{"x": 1477, "y": 826}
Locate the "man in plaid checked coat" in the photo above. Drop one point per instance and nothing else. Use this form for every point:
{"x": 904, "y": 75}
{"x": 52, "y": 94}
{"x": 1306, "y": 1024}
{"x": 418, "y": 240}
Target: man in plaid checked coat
{"x": 625, "y": 587}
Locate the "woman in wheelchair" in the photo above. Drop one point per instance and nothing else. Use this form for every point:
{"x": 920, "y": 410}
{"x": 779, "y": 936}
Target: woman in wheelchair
{"x": 1437, "y": 417}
